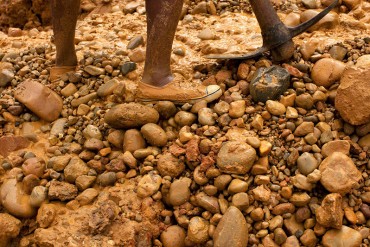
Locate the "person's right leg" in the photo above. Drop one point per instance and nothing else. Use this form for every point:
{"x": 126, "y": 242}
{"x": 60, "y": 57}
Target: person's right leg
{"x": 158, "y": 82}
{"x": 64, "y": 19}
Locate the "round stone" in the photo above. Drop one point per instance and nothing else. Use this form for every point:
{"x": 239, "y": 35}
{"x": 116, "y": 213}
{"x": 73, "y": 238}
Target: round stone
{"x": 236, "y": 157}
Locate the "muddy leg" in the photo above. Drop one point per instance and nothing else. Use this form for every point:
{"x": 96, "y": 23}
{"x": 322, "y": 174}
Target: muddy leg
{"x": 162, "y": 19}
{"x": 64, "y": 19}
{"x": 272, "y": 29}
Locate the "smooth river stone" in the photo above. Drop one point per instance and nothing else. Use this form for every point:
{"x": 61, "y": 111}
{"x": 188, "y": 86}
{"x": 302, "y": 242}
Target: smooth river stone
{"x": 232, "y": 229}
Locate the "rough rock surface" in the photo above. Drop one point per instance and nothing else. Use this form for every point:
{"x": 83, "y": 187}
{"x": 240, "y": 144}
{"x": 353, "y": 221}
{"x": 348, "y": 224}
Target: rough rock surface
{"x": 131, "y": 115}
{"x": 231, "y": 230}
{"x": 236, "y": 157}
{"x": 338, "y": 173}
{"x": 353, "y": 97}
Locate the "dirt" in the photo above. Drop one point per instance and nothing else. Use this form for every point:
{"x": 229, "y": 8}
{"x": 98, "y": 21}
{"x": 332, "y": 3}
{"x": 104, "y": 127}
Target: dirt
{"x": 131, "y": 206}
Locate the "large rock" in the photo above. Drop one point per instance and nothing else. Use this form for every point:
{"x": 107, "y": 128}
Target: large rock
{"x": 269, "y": 83}
{"x": 330, "y": 213}
{"x": 41, "y": 100}
{"x": 12, "y": 143}
{"x": 232, "y": 230}
{"x": 329, "y": 21}
{"x": 9, "y": 228}
{"x": 353, "y": 95}
{"x": 323, "y": 76}
{"x": 15, "y": 200}
{"x": 346, "y": 236}
{"x": 236, "y": 157}
{"x": 338, "y": 173}
{"x": 131, "y": 115}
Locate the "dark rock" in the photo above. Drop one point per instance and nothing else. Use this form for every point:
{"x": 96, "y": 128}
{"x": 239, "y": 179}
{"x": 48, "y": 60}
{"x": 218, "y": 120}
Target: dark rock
{"x": 269, "y": 83}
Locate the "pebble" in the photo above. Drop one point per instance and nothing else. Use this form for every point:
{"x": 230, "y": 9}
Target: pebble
{"x": 107, "y": 88}
{"x": 34, "y": 95}
{"x": 154, "y": 134}
{"x": 293, "y": 227}
{"x": 127, "y": 67}
{"x": 261, "y": 193}
{"x": 330, "y": 147}
{"x": 322, "y": 76}
{"x": 75, "y": 168}
{"x": 133, "y": 140}
{"x": 35, "y": 166}
{"x": 84, "y": 99}
{"x": 269, "y": 83}
{"x": 62, "y": 191}
{"x": 46, "y": 214}
{"x": 364, "y": 141}
{"x": 92, "y": 131}
{"x": 240, "y": 200}
{"x": 6, "y": 76}
{"x": 87, "y": 196}
{"x": 148, "y": 185}
{"x": 232, "y": 230}
{"x": 279, "y": 236}
{"x": 304, "y": 128}
{"x": 237, "y": 109}
{"x": 209, "y": 203}
{"x": 38, "y": 196}
{"x": 300, "y": 199}
{"x": 329, "y": 21}
{"x": 291, "y": 241}
{"x": 169, "y": 165}
{"x": 184, "y": 118}
{"x": 106, "y": 179}
{"x": 345, "y": 236}
{"x": 352, "y": 98}
{"x": 94, "y": 70}
{"x": 338, "y": 52}
{"x": 14, "y": 199}
{"x": 309, "y": 238}
{"x": 291, "y": 113}
{"x": 275, "y": 108}
{"x": 236, "y": 157}
{"x": 206, "y": 117}
{"x": 58, "y": 163}
{"x": 198, "y": 230}
{"x": 130, "y": 115}
{"x": 179, "y": 192}
{"x": 301, "y": 182}
{"x": 135, "y": 42}
{"x": 166, "y": 109}
{"x": 206, "y": 34}
{"x": 10, "y": 227}
{"x": 307, "y": 163}
{"x": 173, "y": 236}
{"x": 235, "y": 186}
{"x": 330, "y": 213}
{"x": 84, "y": 181}
{"x": 338, "y": 173}
{"x": 304, "y": 101}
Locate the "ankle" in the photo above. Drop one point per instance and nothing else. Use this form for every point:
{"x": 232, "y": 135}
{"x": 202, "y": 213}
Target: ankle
{"x": 157, "y": 80}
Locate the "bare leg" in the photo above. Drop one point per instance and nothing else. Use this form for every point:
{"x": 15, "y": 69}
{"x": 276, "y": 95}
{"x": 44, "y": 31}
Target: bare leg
{"x": 162, "y": 20}
{"x": 64, "y": 19}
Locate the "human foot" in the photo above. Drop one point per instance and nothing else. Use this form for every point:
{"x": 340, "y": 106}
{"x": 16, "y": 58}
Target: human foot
{"x": 178, "y": 91}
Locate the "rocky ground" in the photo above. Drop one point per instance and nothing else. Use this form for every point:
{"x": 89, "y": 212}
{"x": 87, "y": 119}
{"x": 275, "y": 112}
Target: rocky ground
{"x": 281, "y": 159}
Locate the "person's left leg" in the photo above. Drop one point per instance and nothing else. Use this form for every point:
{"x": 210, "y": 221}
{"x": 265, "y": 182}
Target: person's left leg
{"x": 158, "y": 82}
{"x": 64, "y": 19}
